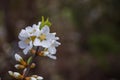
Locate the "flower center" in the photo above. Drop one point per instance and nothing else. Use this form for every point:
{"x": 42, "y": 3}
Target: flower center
{"x": 42, "y": 37}
{"x": 32, "y": 38}
{"x": 27, "y": 41}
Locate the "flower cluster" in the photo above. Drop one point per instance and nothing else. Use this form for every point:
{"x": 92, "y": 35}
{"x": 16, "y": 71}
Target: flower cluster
{"x": 38, "y": 40}
{"x": 34, "y": 36}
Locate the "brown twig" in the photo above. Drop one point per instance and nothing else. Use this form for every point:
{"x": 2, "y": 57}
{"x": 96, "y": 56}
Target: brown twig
{"x": 28, "y": 67}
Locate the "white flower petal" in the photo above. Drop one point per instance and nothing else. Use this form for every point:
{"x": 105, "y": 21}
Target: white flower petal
{"x": 36, "y": 27}
{"x": 52, "y": 50}
{"x": 21, "y": 38}
{"x": 56, "y": 44}
{"x": 45, "y": 44}
{"x": 46, "y": 53}
{"x": 45, "y": 30}
{"x": 50, "y": 36}
{"x": 37, "y": 42}
{"x": 23, "y": 33}
{"x": 22, "y": 44}
{"x": 39, "y": 78}
{"x": 51, "y": 56}
{"x": 37, "y": 33}
{"x": 26, "y": 50}
{"x": 54, "y": 33}
{"x": 28, "y": 29}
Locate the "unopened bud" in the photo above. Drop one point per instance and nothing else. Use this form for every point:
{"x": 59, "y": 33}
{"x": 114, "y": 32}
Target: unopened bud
{"x": 18, "y": 57}
{"x": 27, "y": 78}
{"x": 18, "y": 66}
{"x": 41, "y": 53}
{"x": 33, "y": 51}
{"x": 33, "y": 65}
{"x": 18, "y": 75}
{"x": 10, "y": 73}
{"x": 23, "y": 62}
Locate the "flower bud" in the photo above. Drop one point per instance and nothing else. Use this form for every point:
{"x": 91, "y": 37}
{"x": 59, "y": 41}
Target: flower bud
{"x": 33, "y": 51}
{"x": 16, "y": 74}
{"x": 18, "y": 57}
{"x": 39, "y": 78}
{"x": 33, "y": 65}
{"x": 10, "y": 73}
{"x": 32, "y": 78}
{"x": 27, "y": 78}
{"x": 18, "y": 66}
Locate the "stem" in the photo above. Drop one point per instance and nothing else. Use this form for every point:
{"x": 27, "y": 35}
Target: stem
{"x": 28, "y": 67}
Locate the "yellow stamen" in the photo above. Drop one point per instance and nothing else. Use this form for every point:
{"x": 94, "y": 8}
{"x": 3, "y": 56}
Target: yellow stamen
{"x": 32, "y": 38}
{"x": 42, "y": 37}
{"x": 27, "y": 41}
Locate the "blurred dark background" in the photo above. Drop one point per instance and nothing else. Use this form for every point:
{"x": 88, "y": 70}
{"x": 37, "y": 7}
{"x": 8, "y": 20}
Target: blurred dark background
{"x": 89, "y": 32}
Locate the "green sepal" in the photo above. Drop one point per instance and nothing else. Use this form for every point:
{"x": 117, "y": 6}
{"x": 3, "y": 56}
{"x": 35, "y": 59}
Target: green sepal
{"x": 43, "y": 22}
{"x": 29, "y": 60}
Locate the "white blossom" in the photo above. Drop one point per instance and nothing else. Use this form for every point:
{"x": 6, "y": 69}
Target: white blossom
{"x": 51, "y": 50}
{"x": 25, "y": 40}
{"x": 34, "y": 36}
{"x": 43, "y": 37}
{"x": 27, "y": 37}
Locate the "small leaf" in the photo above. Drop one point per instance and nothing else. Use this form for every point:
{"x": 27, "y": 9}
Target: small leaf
{"x": 43, "y": 22}
{"x": 29, "y": 60}
{"x": 43, "y": 19}
{"x": 47, "y": 22}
